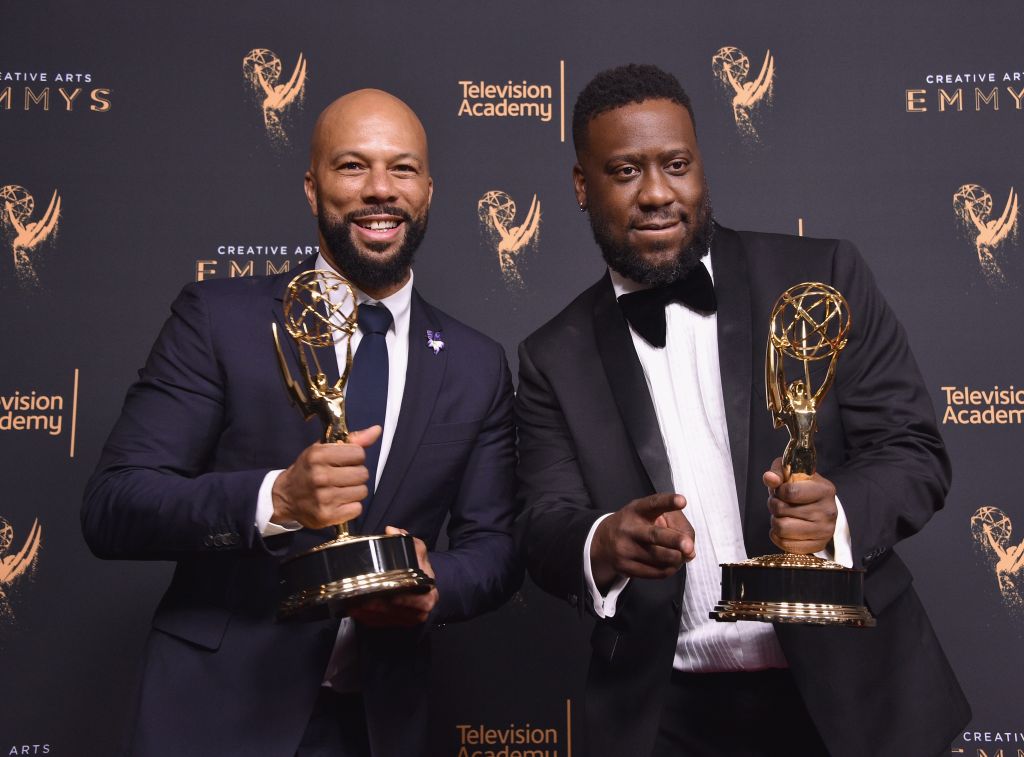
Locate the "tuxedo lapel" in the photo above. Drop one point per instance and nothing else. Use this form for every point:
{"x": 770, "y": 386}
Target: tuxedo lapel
{"x": 629, "y": 386}
{"x": 423, "y": 380}
{"x": 732, "y": 288}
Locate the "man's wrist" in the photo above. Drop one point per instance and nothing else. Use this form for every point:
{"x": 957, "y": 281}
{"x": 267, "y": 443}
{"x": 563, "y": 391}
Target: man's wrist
{"x": 602, "y": 600}
{"x": 268, "y": 523}
{"x": 603, "y": 572}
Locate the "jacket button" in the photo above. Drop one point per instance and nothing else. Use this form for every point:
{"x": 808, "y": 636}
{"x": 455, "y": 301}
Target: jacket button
{"x": 233, "y": 539}
{"x": 873, "y": 555}
{"x": 208, "y": 541}
{"x": 574, "y": 600}
{"x": 218, "y": 540}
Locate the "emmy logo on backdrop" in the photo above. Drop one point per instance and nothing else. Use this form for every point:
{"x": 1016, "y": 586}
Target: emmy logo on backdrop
{"x": 497, "y": 213}
{"x": 262, "y": 69}
{"x": 992, "y": 531}
{"x": 809, "y": 322}
{"x": 18, "y": 206}
{"x": 731, "y": 66}
{"x": 973, "y": 206}
{"x": 320, "y": 310}
{"x": 15, "y": 565}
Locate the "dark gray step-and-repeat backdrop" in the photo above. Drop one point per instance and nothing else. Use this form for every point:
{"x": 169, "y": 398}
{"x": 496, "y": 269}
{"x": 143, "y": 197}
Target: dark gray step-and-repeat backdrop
{"x": 143, "y": 146}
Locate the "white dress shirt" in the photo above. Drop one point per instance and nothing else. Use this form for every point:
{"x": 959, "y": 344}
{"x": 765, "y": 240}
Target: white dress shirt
{"x": 340, "y": 673}
{"x": 685, "y": 386}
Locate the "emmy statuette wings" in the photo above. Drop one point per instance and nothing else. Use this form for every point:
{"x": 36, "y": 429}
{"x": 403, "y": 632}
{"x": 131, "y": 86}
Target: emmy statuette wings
{"x": 14, "y": 565}
{"x": 320, "y": 309}
{"x": 973, "y": 206}
{"x": 25, "y": 235}
{"x": 809, "y": 322}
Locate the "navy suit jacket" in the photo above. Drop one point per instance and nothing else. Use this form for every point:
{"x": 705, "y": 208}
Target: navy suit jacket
{"x": 589, "y": 442}
{"x": 178, "y": 480}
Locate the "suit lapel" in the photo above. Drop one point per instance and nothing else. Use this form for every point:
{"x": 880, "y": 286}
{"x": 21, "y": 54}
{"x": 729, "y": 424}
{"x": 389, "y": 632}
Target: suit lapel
{"x": 423, "y": 380}
{"x": 732, "y": 288}
{"x": 629, "y": 386}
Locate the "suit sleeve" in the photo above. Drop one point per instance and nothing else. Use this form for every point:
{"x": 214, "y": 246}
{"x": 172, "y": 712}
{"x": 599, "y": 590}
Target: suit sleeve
{"x": 153, "y": 495}
{"x": 896, "y": 472}
{"x": 480, "y": 570}
{"x": 557, "y": 511}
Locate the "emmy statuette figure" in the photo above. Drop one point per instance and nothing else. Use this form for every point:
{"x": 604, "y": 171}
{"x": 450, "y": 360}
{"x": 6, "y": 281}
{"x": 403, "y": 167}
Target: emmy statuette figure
{"x": 319, "y": 310}
{"x": 809, "y": 322}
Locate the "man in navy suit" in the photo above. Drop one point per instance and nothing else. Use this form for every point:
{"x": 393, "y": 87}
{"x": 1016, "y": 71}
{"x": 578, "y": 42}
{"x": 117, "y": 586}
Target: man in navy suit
{"x": 211, "y": 467}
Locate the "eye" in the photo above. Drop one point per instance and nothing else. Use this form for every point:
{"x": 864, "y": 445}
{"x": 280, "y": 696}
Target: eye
{"x": 678, "y": 165}
{"x": 626, "y": 172}
{"x": 405, "y": 168}
{"x": 350, "y": 165}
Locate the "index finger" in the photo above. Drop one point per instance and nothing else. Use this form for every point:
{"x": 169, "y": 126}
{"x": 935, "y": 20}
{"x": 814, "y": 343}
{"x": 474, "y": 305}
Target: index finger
{"x": 656, "y": 504}
{"x": 339, "y": 454}
{"x": 804, "y": 492}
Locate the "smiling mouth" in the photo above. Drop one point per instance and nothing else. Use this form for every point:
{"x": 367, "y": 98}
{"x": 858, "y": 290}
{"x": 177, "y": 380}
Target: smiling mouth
{"x": 660, "y": 226}
{"x": 378, "y": 224}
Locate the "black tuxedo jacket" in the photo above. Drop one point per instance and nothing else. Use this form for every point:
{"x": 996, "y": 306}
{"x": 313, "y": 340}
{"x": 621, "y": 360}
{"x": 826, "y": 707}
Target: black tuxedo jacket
{"x": 589, "y": 442}
{"x": 178, "y": 480}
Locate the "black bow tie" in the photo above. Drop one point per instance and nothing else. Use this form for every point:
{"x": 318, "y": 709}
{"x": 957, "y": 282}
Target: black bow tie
{"x": 645, "y": 310}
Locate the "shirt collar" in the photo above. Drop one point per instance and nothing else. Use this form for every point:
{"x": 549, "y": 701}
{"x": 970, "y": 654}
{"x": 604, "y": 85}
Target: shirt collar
{"x": 398, "y": 303}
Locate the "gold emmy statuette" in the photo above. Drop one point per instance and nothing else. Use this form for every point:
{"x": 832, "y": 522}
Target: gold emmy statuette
{"x": 809, "y": 322}
{"x": 320, "y": 310}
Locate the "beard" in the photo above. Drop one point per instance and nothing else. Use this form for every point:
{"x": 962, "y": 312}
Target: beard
{"x": 367, "y": 271}
{"x": 627, "y": 261}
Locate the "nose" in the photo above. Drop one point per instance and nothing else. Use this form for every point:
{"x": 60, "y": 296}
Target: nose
{"x": 379, "y": 188}
{"x": 654, "y": 191}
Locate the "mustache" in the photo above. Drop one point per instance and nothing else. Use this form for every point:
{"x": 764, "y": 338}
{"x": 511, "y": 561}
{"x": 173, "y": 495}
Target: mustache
{"x": 378, "y": 210}
{"x": 663, "y": 216}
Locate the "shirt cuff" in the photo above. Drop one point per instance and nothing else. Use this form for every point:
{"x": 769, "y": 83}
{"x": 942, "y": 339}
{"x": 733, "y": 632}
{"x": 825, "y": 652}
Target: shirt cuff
{"x": 841, "y": 548}
{"x": 604, "y": 604}
{"x": 265, "y": 509}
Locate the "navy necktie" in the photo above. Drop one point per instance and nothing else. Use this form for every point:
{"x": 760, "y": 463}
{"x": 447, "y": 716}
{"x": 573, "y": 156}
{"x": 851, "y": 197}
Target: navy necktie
{"x": 645, "y": 310}
{"x": 366, "y": 400}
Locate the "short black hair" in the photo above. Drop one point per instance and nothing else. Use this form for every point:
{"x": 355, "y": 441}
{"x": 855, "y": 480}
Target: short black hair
{"x": 624, "y": 85}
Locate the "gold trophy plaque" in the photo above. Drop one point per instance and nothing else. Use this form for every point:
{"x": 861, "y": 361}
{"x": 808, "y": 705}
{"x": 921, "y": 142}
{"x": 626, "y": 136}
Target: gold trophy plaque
{"x": 319, "y": 311}
{"x": 809, "y": 323}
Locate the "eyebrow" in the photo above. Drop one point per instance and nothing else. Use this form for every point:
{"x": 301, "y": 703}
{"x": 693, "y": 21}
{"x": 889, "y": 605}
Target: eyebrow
{"x": 366, "y": 158}
{"x": 632, "y": 157}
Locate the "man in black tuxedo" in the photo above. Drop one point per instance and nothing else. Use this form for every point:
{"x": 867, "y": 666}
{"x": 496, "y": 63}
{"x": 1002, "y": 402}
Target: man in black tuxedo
{"x": 646, "y": 452}
{"x": 211, "y": 467}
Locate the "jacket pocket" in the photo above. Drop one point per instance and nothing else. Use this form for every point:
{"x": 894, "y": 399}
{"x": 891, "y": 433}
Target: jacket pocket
{"x": 201, "y": 626}
{"x": 885, "y": 581}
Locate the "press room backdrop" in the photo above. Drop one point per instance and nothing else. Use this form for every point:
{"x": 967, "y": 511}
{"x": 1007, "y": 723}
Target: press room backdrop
{"x": 144, "y": 146}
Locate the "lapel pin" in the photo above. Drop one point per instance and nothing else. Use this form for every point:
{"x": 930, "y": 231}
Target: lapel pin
{"x": 434, "y": 341}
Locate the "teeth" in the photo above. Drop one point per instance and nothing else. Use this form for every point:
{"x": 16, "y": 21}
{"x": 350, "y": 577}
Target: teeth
{"x": 382, "y": 225}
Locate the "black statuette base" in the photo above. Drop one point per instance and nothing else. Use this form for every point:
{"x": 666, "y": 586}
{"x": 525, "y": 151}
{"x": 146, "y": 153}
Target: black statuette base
{"x": 317, "y": 584}
{"x": 793, "y": 589}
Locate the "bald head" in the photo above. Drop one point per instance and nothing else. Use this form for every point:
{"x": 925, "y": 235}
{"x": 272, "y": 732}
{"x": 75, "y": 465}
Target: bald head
{"x": 349, "y": 120}
{"x": 369, "y": 187}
